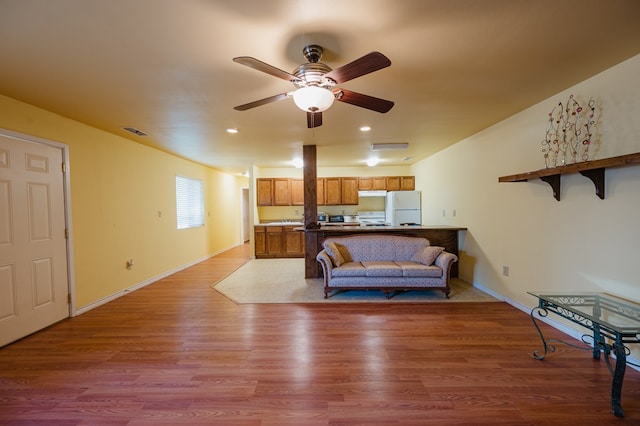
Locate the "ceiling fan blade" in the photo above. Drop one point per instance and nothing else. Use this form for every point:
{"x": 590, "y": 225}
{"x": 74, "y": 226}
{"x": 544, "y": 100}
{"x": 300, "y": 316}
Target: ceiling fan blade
{"x": 314, "y": 119}
{"x": 363, "y": 101}
{"x": 258, "y": 65}
{"x": 261, "y": 102}
{"x": 371, "y": 62}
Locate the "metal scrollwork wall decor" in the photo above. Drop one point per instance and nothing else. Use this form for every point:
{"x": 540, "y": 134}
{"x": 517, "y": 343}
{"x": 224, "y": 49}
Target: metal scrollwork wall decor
{"x": 569, "y": 133}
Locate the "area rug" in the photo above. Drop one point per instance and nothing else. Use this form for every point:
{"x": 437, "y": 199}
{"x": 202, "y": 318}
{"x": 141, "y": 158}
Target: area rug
{"x": 282, "y": 281}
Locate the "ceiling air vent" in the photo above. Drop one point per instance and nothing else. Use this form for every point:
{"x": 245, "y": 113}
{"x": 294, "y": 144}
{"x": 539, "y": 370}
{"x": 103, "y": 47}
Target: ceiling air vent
{"x": 134, "y": 131}
{"x": 388, "y": 146}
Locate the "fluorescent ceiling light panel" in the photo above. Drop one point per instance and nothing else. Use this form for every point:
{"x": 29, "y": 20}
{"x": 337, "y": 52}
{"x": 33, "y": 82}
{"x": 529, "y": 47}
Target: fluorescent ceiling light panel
{"x": 388, "y": 146}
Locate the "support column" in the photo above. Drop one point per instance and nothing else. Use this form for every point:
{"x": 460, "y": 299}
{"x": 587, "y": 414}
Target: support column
{"x": 310, "y": 174}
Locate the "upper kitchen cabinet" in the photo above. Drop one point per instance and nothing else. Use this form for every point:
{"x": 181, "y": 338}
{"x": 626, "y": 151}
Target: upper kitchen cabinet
{"x": 297, "y": 192}
{"x": 400, "y": 183}
{"x": 393, "y": 183}
{"x": 349, "y": 186}
{"x": 264, "y": 192}
{"x": 375, "y": 183}
{"x": 333, "y": 191}
{"x": 341, "y": 191}
{"x": 281, "y": 192}
{"x": 407, "y": 183}
{"x": 320, "y": 191}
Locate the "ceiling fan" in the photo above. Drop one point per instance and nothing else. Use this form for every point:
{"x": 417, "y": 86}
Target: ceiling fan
{"x": 316, "y": 83}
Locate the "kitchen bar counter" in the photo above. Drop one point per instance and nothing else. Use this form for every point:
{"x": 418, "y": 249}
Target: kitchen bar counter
{"x": 438, "y": 235}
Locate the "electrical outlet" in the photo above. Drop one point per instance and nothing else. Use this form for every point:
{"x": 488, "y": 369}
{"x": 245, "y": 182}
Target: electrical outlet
{"x": 444, "y": 212}
{"x": 130, "y": 264}
{"x": 505, "y": 271}
{"x": 454, "y": 212}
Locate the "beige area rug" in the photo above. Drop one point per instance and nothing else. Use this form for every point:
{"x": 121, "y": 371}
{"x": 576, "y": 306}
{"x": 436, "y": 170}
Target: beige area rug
{"x": 282, "y": 281}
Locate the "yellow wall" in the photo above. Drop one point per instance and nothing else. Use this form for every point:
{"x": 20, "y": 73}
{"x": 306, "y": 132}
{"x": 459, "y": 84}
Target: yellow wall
{"x": 579, "y": 243}
{"x": 123, "y": 204}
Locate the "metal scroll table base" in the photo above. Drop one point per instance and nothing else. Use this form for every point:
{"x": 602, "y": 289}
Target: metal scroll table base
{"x": 605, "y": 339}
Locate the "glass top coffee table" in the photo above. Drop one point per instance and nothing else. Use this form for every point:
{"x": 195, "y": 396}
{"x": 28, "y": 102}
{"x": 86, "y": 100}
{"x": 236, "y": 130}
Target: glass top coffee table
{"x": 613, "y": 321}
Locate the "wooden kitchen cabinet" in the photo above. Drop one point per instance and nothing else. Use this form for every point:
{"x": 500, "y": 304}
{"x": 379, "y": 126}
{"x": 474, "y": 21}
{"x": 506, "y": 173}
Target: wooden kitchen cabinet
{"x": 375, "y": 183}
{"x": 274, "y": 241}
{"x": 278, "y": 241}
{"x": 281, "y": 192}
{"x": 393, "y": 183}
{"x": 341, "y": 191}
{"x": 297, "y": 192}
{"x": 349, "y": 188}
{"x": 264, "y": 192}
{"x": 320, "y": 191}
{"x": 379, "y": 183}
{"x": 365, "y": 183}
{"x": 293, "y": 242}
{"x": 333, "y": 191}
{"x": 407, "y": 183}
{"x": 260, "y": 241}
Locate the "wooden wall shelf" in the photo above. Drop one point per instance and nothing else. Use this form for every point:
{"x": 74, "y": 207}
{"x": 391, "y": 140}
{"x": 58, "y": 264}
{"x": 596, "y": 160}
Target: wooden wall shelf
{"x": 594, "y": 170}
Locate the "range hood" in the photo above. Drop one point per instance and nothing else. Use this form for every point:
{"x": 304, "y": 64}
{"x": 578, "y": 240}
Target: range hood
{"x": 372, "y": 193}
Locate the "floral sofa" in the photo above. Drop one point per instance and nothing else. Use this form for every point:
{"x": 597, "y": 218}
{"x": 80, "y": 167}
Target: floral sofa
{"x": 385, "y": 262}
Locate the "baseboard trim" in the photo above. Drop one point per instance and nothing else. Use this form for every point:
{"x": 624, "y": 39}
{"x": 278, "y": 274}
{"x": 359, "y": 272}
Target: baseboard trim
{"x": 142, "y": 284}
{"x": 489, "y": 291}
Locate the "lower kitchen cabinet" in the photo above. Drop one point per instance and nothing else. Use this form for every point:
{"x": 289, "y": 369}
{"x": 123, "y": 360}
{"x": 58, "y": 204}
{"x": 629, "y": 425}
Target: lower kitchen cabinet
{"x": 278, "y": 241}
{"x": 260, "y": 240}
{"x": 293, "y": 242}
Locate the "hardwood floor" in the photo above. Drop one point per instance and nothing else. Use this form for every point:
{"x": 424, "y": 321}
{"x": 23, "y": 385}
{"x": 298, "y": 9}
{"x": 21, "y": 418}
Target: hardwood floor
{"x": 179, "y": 353}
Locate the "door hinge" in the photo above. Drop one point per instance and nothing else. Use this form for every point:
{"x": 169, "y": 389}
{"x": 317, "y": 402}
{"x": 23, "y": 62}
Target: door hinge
{"x": 69, "y": 298}
{"x": 66, "y": 233}
{"x": 64, "y": 167}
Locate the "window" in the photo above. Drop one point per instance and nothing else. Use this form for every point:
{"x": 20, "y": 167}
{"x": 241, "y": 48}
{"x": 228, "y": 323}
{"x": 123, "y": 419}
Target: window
{"x": 189, "y": 202}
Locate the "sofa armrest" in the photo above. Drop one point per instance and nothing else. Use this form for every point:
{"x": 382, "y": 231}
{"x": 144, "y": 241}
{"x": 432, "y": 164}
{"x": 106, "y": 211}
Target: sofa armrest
{"x": 445, "y": 261}
{"x": 325, "y": 262}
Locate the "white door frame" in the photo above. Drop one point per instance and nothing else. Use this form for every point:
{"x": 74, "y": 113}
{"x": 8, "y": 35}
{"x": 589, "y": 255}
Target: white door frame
{"x": 245, "y": 214}
{"x": 67, "y": 204}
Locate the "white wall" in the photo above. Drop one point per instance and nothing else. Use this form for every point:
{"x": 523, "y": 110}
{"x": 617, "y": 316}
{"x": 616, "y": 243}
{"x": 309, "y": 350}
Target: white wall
{"x": 579, "y": 243}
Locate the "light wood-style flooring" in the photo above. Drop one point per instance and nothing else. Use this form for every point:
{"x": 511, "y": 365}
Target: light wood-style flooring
{"x": 179, "y": 353}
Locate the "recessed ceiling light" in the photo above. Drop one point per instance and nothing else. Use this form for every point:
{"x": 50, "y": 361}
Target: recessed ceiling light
{"x": 365, "y": 128}
{"x": 388, "y": 146}
{"x": 407, "y": 158}
{"x": 233, "y": 131}
{"x": 372, "y": 162}
{"x": 298, "y": 163}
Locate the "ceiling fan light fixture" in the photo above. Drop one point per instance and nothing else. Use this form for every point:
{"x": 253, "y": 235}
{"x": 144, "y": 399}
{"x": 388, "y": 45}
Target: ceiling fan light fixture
{"x": 313, "y": 98}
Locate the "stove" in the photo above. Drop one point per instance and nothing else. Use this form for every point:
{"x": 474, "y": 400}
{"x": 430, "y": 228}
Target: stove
{"x": 372, "y": 218}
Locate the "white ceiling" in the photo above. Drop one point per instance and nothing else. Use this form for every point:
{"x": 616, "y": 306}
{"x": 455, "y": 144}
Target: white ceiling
{"x": 165, "y": 67}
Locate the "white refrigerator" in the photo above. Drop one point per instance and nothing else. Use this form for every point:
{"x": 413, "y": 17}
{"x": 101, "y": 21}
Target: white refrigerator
{"x": 403, "y": 208}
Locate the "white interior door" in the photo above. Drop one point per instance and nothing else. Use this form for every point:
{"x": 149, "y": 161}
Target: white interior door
{"x": 34, "y": 284}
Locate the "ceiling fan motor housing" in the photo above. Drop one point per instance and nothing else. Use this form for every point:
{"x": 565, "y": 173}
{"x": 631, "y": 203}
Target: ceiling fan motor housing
{"x": 312, "y": 74}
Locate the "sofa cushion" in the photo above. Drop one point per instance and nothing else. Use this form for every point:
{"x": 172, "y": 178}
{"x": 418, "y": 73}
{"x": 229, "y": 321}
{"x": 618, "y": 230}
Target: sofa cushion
{"x": 413, "y": 269}
{"x": 427, "y": 255}
{"x": 382, "y": 269}
{"x": 350, "y": 269}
